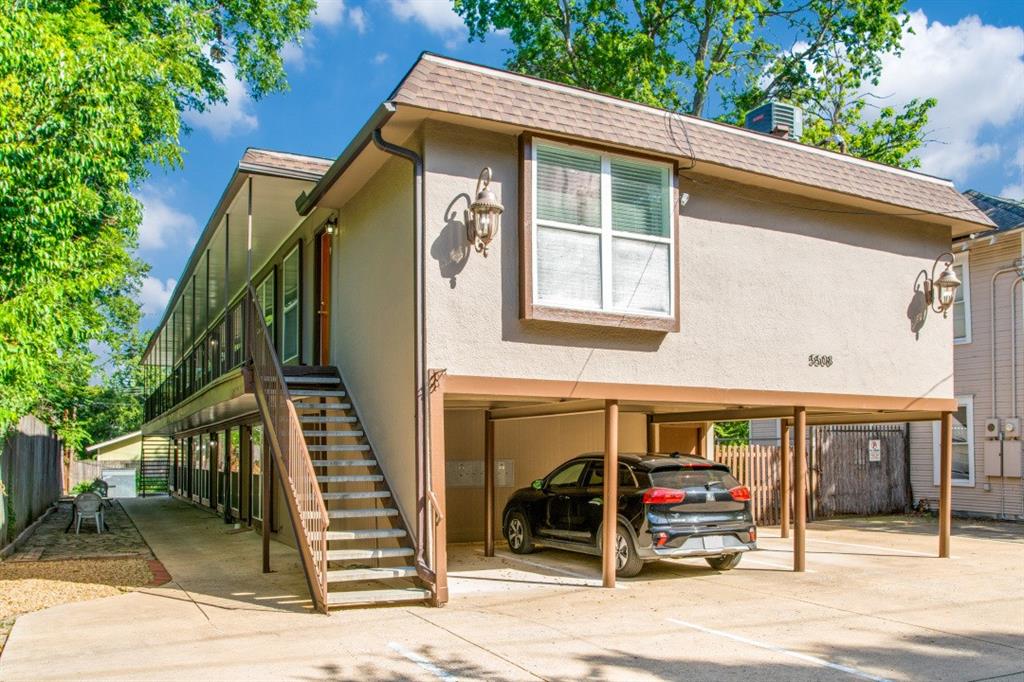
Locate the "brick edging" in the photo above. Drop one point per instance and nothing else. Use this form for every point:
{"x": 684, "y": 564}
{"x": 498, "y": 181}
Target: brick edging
{"x": 160, "y": 574}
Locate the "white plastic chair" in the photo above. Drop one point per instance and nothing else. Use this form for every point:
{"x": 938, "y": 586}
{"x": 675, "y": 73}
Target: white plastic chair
{"x": 89, "y": 505}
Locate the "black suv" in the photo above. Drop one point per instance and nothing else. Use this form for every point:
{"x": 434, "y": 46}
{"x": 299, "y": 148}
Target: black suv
{"x": 669, "y": 506}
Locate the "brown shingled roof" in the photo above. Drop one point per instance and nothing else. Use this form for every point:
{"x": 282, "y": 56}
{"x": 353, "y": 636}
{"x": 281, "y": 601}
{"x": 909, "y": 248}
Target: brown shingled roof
{"x": 284, "y": 161}
{"x": 447, "y": 85}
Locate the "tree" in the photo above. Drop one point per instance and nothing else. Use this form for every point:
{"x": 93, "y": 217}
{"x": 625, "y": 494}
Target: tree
{"x": 91, "y": 96}
{"x": 688, "y": 54}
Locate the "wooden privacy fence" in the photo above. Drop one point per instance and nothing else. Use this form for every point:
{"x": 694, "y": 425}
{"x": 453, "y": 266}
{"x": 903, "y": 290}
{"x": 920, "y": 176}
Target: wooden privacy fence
{"x": 850, "y": 470}
{"x": 757, "y": 467}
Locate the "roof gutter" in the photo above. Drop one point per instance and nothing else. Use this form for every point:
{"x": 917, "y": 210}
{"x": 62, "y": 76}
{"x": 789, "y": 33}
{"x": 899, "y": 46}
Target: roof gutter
{"x": 307, "y": 201}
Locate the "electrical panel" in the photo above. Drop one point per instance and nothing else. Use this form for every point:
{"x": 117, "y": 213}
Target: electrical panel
{"x": 1011, "y": 458}
{"x": 469, "y": 473}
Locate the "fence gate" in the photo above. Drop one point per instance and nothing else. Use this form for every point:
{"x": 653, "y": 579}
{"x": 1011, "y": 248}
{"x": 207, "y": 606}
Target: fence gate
{"x": 860, "y": 469}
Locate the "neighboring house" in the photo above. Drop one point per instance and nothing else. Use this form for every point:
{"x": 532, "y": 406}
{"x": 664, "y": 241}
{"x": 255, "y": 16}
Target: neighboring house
{"x": 436, "y": 368}
{"x": 126, "y": 448}
{"x": 988, "y": 264}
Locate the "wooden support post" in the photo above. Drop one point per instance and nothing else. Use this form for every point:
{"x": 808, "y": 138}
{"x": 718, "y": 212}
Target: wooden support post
{"x": 267, "y": 469}
{"x": 785, "y": 485}
{"x": 611, "y": 492}
{"x": 435, "y": 423}
{"x": 701, "y": 442}
{"x": 945, "y": 483}
{"x": 799, "y": 488}
{"x": 488, "y": 484}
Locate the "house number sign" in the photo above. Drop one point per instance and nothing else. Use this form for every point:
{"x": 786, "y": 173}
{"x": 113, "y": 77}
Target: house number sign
{"x": 815, "y": 360}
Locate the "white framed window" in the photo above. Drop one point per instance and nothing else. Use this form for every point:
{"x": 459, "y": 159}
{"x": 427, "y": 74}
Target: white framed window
{"x": 290, "y": 318}
{"x": 962, "y": 302}
{"x": 265, "y": 299}
{"x": 963, "y": 444}
{"x": 603, "y": 237}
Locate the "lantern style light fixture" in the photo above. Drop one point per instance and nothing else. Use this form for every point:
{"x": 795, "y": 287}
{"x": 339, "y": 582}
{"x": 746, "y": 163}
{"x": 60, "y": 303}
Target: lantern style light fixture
{"x": 940, "y": 292}
{"x": 484, "y": 215}
{"x": 331, "y": 224}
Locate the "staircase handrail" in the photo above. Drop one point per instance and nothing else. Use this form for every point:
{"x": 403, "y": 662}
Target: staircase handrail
{"x": 306, "y": 505}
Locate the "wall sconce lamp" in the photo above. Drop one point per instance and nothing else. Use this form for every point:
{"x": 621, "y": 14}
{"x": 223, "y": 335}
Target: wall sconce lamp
{"x": 331, "y": 225}
{"x": 484, "y": 215}
{"x": 940, "y": 292}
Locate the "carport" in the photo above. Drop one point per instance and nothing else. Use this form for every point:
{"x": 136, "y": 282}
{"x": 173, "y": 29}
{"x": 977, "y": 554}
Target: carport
{"x": 644, "y": 417}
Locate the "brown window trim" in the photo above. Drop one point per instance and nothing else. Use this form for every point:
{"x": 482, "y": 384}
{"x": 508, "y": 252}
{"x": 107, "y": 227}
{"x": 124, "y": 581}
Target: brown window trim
{"x": 528, "y": 310}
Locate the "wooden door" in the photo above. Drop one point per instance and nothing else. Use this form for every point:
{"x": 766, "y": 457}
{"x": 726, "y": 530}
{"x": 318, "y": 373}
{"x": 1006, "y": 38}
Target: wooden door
{"x": 323, "y": 309}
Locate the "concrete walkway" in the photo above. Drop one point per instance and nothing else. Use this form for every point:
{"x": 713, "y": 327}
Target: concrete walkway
{"x": 874, "y": 605}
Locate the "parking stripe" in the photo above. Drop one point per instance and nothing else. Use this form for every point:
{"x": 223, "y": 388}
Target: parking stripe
{"x": 789, "y": 567}
{"x": 423, "y": 662}
{"x": 779, "y": 650}
{"x": 893, "y": 550}
{"x": 590, "y": 582}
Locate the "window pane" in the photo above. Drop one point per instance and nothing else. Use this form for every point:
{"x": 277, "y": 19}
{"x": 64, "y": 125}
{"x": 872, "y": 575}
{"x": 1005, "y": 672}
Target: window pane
{"x": 961, "y": 445}
{"x": 639, "y": 198}
{"x": 290, "y": 322}
{"x": 640, "y": 276}
{"x": 256, "y": 489}
{"x": 568, "y": 186}
{"x": 568, "y": 476}
{"x": 568, "y": 268}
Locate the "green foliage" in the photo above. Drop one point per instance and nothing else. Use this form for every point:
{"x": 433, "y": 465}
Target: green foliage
{"x": 682, "y": 54}
{"x": 82, "y": 487}
{"x": 91, "y": 96}
{"x": 735, "y": 433}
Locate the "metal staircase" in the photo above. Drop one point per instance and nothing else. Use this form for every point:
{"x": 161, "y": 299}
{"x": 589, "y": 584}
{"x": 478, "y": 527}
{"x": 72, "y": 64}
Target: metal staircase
{"x": 154, "y": 465}
{"x": 369, "y": 555}
{"x": 333, "y": 488}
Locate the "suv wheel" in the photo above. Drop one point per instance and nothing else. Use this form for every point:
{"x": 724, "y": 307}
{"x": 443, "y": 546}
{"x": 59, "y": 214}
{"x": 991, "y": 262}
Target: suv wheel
{"x": 520, "y": 540}
{"x": 724, "y": 562}
{"x": 627, "y": 562}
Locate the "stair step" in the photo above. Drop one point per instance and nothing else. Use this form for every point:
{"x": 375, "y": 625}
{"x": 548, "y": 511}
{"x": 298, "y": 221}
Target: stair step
{"x": 328, "y": 419}
{"x": 368, "y": 534}
{"x": 382, "y": 553}
{"x": 316, "y": 393}
{"x": 344, "y": 462}
{"x": 384, "y": 573}
{"x": 299, "y": 405}
{"x": 361, "y": 513}
{"x": 312, "y": 379}
{"x": 377, "y": 596}
{"x": 363, "y": 447}
{"x": 332, "y": 434}
{"x": 368, "y": 495}
{"x": 350, "y": 478}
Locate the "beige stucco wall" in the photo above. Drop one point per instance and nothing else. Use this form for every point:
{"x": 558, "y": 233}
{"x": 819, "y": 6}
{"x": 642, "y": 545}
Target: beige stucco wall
{"x": 371, "y": 321}
{"x": 536, "y": 446}
{"x": 762, "y": 287}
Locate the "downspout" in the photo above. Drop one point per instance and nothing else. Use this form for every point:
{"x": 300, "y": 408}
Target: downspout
{"x": 424, "y": 527}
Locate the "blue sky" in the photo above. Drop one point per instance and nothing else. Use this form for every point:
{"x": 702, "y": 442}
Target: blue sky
{"x": 968, "y": 54}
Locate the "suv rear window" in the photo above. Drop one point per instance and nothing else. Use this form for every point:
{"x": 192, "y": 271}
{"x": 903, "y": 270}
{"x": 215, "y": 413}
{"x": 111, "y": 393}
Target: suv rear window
{"x": 682, "y": 478}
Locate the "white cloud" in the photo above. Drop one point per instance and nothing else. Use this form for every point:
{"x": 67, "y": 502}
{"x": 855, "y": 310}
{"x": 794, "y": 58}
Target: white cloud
{"x": 329, "y": 12}
{"x": 380, "y": 57}
{"x": 1014, "y": 191}
{"x": 154, "y": 294}
{"x": 162, "y": 224}
{"x": 233, "y": 117}
{"x": 1015, "y": 172}
{"x": 357, "y": 17}
{"x": 294, "y": 54}
{"x": 435, "y": 15}
{"x": 977, "y": 74}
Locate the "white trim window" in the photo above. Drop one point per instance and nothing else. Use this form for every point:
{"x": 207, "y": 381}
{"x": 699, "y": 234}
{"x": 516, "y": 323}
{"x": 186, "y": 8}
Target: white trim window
{"x": 962, "y": 302}
{"x": 603, "y": 237}
{"x": 963, "y": 444}
{"x": 290, "y": 320}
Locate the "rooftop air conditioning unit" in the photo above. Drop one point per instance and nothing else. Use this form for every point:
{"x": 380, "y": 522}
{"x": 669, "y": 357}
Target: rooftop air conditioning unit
{"x": 772, "y": 116}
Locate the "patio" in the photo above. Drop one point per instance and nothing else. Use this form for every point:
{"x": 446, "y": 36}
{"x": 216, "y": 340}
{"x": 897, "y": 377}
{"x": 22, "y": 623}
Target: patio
{"x": 874, "y": 604}
{"x": 50, "y": 542}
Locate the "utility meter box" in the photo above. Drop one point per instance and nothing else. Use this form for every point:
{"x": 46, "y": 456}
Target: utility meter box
{"x": 1011, "y": 427}
{"x": 992, "y": 428}
{"x": 1011, "y": 450}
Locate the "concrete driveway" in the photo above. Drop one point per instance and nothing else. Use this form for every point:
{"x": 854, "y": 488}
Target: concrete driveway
{"x": 875, "y": 604}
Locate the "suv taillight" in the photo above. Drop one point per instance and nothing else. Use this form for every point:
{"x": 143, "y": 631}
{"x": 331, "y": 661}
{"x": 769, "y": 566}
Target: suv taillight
{"x": 740, "y": 493}
{"x": 663, "y": 496}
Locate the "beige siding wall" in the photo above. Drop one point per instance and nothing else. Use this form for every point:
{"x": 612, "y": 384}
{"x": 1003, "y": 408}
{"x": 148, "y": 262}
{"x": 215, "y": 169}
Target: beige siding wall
{"x": 989, "y": 494}
{"x": 763, "y": 286}
{"x": 536, "y": 446}
{"x": 371, "y": 321}
{"x": 122, "y": 451}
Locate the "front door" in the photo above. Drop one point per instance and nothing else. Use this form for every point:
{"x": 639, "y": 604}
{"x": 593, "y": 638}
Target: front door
{"x": 323, "y": 309}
